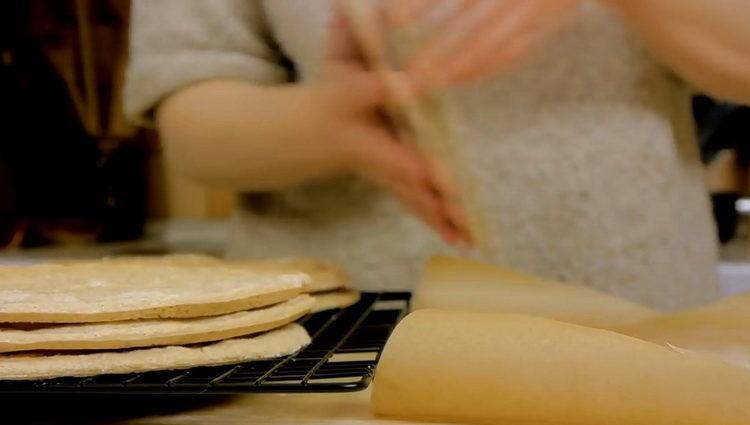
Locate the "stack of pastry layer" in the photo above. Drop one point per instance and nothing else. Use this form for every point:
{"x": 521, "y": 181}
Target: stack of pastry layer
{"x": 126, "y": 315}
{"x": 327, "y": 283}
{"x": 491, "y": 345}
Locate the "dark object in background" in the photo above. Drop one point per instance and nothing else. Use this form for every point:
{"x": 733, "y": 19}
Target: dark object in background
{"x": 51, "y": 161}
{"x": 8, "y": 216}
{"x": 53, "y": 175}
{"x": 124, "y": 175}
{"x": 723, "y": 126}
{"x": 725, "y": 213}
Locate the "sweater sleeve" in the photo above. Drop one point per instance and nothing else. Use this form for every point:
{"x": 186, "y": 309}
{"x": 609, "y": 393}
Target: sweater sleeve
{"x": 175, "y": 43}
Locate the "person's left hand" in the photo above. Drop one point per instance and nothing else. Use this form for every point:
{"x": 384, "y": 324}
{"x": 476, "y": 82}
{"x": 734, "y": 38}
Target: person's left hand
{"x": 478, "y": 38}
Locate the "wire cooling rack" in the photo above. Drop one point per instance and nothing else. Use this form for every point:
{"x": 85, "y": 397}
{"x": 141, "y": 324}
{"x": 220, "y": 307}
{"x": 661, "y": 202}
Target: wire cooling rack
{"x": 346, "y": 346}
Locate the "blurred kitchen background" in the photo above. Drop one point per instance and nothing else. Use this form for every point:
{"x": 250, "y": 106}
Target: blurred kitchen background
{"x": 76, "y": 179}
{"x": 73, "y": 173}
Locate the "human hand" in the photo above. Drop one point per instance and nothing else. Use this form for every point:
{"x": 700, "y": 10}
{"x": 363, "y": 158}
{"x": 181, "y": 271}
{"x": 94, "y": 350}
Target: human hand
{"x": 477, "y": 38}
{"x": 372, "y": 148}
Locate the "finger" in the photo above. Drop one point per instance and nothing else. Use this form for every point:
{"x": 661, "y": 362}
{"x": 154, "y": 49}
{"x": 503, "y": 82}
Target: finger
{"x": 385, "y": 161}
{"x": 341, "y": 45}
{"x": 500, "y": 61}
{"x": 449, "y": 193}
{"x": 423, "y": 204}
{"x": 523, "y": 32}
{"x": 428, "y": 210}
{"x": 511, "y": 31}
{"x": 382, "y": 160}
{"x": 366, "y": 27}
{"x": 437, "y": 181}
{"x": 400, "y": 13}
{"x": 462, "y": 28}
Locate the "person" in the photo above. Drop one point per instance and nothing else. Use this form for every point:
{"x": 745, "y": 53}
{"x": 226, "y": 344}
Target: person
{"x": 575, "y": 117}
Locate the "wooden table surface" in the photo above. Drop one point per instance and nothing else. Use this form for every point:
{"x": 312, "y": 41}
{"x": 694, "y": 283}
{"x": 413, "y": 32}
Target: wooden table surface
{"x": 272, "y": 409}
{"x": 309, "y": 409}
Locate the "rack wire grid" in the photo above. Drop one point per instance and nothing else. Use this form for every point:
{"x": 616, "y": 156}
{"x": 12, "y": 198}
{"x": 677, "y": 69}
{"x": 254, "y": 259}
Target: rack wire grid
{"x": 345, "y": 348}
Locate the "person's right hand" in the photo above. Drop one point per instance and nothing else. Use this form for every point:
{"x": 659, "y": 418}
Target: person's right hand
{"x": 355, "y": 98}
{"x": 478, "y": 39}
{"x": 256, "y": 138}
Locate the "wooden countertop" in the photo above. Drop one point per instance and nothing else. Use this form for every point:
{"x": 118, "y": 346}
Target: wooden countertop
{"x": 311, "y": 409}
{"x": 272, "y": 409}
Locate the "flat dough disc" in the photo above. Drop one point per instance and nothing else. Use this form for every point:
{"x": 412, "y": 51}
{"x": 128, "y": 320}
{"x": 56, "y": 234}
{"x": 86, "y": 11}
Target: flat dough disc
{"x": 109, "y": 291}
{"x": 340, "y": 298}
{"x": 275, "y": 343}
{"x": 323, "y": 275}
{"x": 147, "y": 333}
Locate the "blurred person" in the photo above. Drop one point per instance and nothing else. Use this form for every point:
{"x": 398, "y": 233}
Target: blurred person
{"x": 576, "y": 116}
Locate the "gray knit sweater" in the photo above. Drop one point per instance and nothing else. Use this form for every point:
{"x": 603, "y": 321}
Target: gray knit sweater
{"x": 585, "y": 156}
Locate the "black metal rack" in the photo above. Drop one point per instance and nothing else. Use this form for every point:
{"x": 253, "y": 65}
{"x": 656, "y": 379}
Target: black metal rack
{"x": 346, "y": 345}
